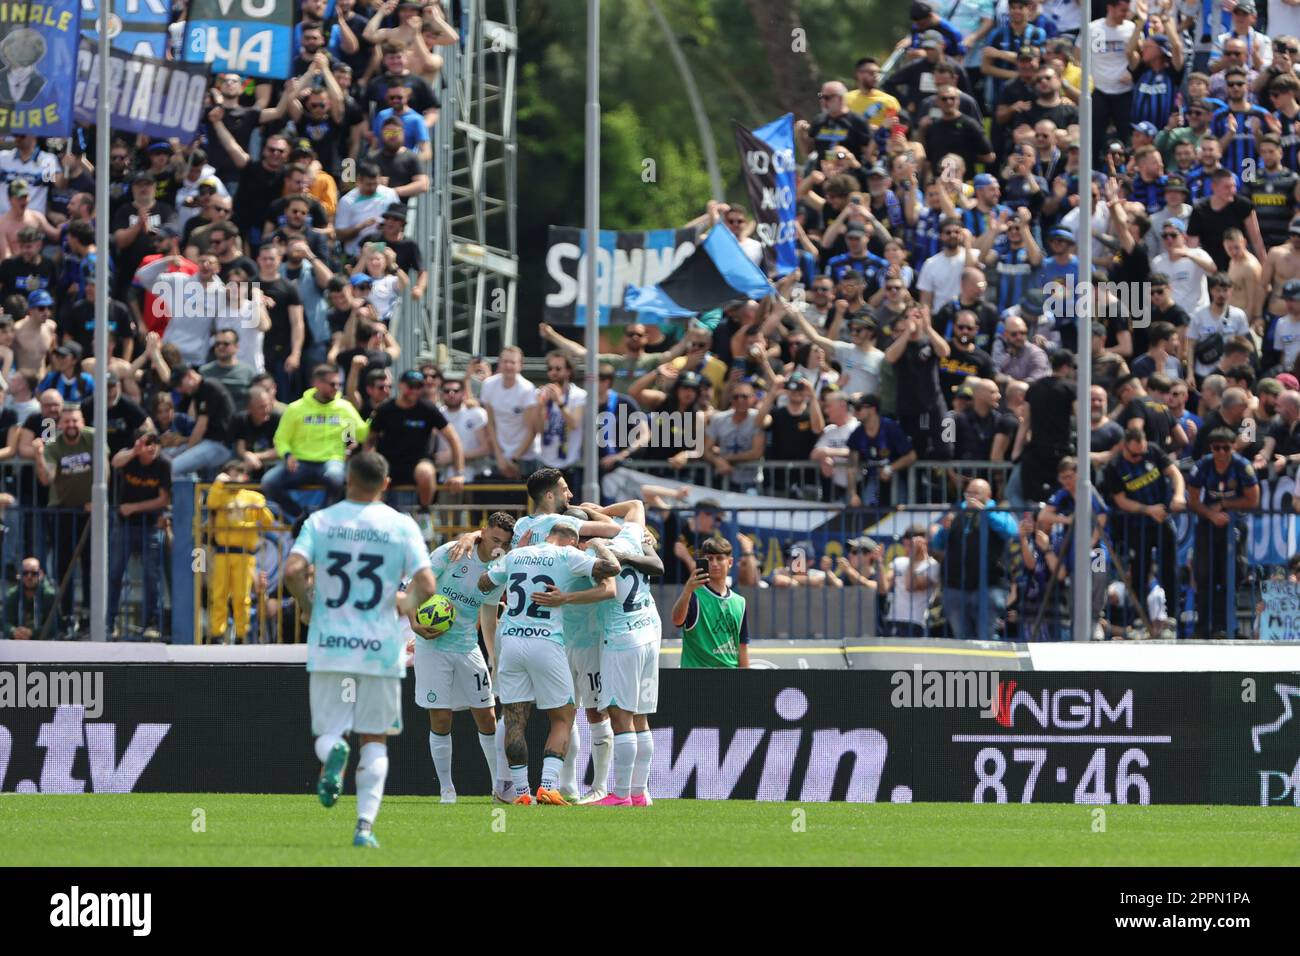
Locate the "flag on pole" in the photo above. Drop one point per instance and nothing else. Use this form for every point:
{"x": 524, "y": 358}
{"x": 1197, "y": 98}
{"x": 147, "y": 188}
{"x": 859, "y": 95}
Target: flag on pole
{"x": 717, "y": 272}
{"x": 768, "y": 161}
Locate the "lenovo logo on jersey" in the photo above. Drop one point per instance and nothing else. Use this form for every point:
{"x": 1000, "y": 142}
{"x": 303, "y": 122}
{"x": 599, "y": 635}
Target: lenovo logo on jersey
{"x": 1067, "y": 709}
{"x": 350, "y": 643}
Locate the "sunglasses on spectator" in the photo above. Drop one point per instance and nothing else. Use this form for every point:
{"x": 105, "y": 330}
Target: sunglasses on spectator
{"x": 30, "y": 574}
{"x": 735, "y": 222}
{"x": 827, "y": 96}
{"x": 1235, "y": 83}
{"x": 449, "y": 389}
{"x": 1284, "y": 48}
{"x": 1168, "y": 235}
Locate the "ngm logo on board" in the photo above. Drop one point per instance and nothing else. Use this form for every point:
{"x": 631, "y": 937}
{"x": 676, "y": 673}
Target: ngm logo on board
{"x": 1071, "y": 708}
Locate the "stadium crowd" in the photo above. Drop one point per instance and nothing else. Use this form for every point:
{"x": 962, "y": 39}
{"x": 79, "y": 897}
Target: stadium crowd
{"x": 923, "y": 353}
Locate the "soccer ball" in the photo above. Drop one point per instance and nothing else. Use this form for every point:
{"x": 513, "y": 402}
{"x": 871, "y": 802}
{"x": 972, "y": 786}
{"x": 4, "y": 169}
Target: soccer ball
{"x": 437, "y": 613}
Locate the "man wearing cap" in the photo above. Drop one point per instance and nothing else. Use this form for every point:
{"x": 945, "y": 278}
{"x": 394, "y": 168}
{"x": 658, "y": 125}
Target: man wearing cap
{"x": 858, "y": 258}
{"x": 66, "y": 377}
{"x": 1017, "y": 97}
{"x": 18, "y": 218}
{"x": 998, "y": 59}
{"x": 402, "y": 429}
{"x": 1175, "y": 206}
{"x": 35, "y": 333}
{"x": 197, "y": 187}
{"x": 209, "y": 404}
{"x": 135, "y": 227}
{"x": 1259, "y": 46}
{"x": 1286, "y": 331}
{"x": 914, "y": 82}
{"x": 26, "y": 270}
{"x": 860, "y": 360}
{"x": 879, "y": 450}
{"x": 987, "y": 208}
{"x": 1186, "y": 267}
{"x": 1156, "y": 62}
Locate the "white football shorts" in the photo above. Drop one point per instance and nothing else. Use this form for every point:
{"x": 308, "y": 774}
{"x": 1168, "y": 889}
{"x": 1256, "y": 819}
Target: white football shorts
{"x": 359, "y": 703}
{"x": 629, "y": 679}
{"x": 533, "y": 669}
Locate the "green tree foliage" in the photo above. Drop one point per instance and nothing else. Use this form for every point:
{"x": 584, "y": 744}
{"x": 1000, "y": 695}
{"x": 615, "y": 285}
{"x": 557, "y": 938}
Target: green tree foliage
{"x": 645, "y": 111}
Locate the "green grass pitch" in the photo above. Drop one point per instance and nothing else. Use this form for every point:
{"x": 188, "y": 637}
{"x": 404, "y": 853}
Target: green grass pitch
{"x": 262, "y": 830}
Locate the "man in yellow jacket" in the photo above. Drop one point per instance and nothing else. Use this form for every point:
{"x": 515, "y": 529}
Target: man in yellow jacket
{"x": 313, "y": 439}
{"x": 237, "y": 515}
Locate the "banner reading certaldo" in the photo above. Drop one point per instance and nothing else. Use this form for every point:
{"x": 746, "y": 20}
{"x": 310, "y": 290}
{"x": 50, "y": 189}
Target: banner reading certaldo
{"x": 38, "y": 55}
{"x": 624, "y": 260}
{"x": 158, "y": 98}
{"x": 249, "y": 37}
{"x": 134, "y": 26}
{"x": 768, "y": 162}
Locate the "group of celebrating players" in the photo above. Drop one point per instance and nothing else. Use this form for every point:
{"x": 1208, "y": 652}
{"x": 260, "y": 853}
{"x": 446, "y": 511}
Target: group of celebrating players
{"x": 578, "y": 627}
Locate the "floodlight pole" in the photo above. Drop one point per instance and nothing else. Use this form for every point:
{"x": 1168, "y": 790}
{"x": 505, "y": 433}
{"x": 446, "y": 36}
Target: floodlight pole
{"x": 591, "y": 457}
{"x": 99, "y": 477}
{"x": 1082, "y": 302}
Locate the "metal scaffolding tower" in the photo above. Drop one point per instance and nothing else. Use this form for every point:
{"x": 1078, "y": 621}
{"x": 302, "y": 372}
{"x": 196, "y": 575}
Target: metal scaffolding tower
{"x": 467, "y": 224}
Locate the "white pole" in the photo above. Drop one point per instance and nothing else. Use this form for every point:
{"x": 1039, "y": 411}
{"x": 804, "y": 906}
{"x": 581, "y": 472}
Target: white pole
{"x": 98, "y": 542}
{"x": 1083, "y": 622}
{"x": 591, "y": 458}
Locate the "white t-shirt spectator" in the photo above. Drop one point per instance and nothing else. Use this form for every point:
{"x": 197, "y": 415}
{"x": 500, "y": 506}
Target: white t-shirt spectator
{"x": 734, "y": 438}
{"x": 39, "y": 171}
{"x": 1186, "y": 280}
{"x": 837, "y": 436}
{"x": 752, "y": 248}
{"x": 508, "y": 407}
{"x": 1204, "y": 324}
{"x": 383, "y": 296}
{"x": 470, "y": 424}
{"x": 240, "y": 318}
{"x": 941, "y": 276}
{"x": 912, "y": 606}
{"x": 354, "y": 209}
{"x": 1109, "y": 61}
{"x": 1286, "y": 339}
{"x": 861, "y": 370}
{"x": 562, "y": 445}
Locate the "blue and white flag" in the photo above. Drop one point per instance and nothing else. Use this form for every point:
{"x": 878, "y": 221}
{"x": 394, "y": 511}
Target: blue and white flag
{"x": 134, "y": 26}
{"x": 245, "y": 37}
{"x": 768, "y": 159}
{"x": 624, "y": 259}
{"x": 717, "y": 272}
{"x": 38, "y": 58}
